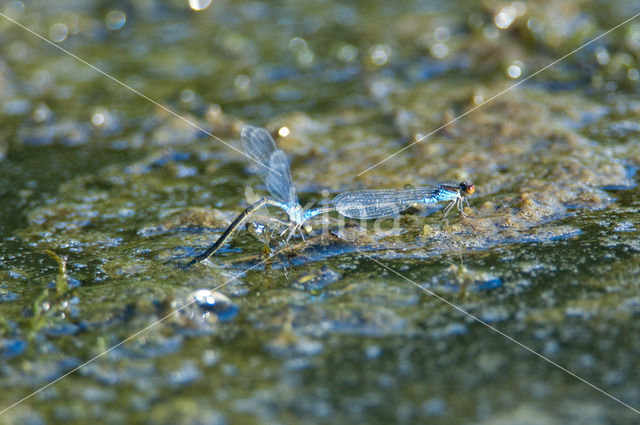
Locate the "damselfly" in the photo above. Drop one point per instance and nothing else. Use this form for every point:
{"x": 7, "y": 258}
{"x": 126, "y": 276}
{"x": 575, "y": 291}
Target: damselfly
{"x": 379, "y": 203}
{"x": 273, "y": 168}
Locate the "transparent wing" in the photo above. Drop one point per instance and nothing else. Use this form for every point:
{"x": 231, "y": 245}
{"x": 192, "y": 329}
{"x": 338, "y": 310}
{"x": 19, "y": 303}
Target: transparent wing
{"x": 382, "y": 202}
{"x": 259, "y": 145}
{"x": 279, "y": 183}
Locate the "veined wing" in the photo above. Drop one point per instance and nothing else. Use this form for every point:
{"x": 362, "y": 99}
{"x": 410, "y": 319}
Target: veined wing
{"x": 279, "y": 182}
{"x": 259, "y": 145}
{"x": 382, "y": 202}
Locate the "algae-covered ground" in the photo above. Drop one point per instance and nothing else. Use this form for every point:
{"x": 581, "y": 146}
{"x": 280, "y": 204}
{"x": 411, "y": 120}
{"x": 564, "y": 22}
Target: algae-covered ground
{"x": 524, "y": 311}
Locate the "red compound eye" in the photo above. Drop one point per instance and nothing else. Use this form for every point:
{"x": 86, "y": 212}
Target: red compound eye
{"x": 467, "y": 188}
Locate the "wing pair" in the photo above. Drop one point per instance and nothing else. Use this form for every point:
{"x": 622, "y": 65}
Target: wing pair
{"x": 271, "y": 162}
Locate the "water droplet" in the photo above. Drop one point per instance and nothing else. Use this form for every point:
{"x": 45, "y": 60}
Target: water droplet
{"x": 297, "y": 43}
{"x": 58, "y": 32}
{"x": 515, "y": 69}
{"x": 380, "y": 54}
{"x": 214, "y": 302}
{"x": 347, "y": 53}
{"x": 115, "y": 20}
{"x": 97, "y": 119}
{"x": 187, "y": 96}
{"x": 284, "y": 131}
{"x": 633, "y": 74}
{"x": 441, "y": 34}
{"x": 439, "y": 50}
{"x": 242, "y": 82}
{"x": 199, "y": 5}
{"x": 505, "y": 17}
{"x": 602, "y": 55}
{"x": 305, "y": 56}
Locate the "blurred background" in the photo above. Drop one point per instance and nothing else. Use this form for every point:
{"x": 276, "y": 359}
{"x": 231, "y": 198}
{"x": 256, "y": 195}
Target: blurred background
{"x": 104, "y": 196}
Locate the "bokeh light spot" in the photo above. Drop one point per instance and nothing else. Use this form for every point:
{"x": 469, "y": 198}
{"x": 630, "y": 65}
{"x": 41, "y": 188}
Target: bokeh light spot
{"x": 115, "y": 20}
{"x": 199, "y": 5}
{"x": 58, "y": 32}
{"x": 283, "y": 131}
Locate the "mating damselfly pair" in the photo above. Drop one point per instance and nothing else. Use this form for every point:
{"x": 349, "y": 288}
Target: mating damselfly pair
{"x": 273, "y": 168}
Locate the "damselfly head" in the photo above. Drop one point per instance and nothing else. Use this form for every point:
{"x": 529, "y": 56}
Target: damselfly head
{"x": 466, "y": 188}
